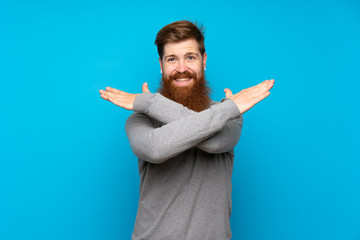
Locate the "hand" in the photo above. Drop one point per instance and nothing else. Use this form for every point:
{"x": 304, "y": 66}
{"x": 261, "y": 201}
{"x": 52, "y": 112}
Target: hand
{"x": 121, "y": 98}
{"x": 247, "y": 98}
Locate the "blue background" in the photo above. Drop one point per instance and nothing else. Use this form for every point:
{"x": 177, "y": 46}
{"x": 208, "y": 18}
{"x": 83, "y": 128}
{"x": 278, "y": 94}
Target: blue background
{"x": 67, "y": 170}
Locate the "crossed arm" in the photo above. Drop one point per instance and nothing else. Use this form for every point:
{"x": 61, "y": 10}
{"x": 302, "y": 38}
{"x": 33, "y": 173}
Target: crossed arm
{"x": 214, "y": 130}
{"x": 166, "y": 111}
{"x": 159, "y": 144}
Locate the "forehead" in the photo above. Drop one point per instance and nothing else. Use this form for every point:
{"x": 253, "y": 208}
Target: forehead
{"x": 181, "y": 48}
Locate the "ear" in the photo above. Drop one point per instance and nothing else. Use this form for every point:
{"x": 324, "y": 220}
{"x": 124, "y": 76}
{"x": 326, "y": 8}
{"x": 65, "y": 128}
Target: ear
{"x": 161, "y": 67}
{"x": 204, "y": 60}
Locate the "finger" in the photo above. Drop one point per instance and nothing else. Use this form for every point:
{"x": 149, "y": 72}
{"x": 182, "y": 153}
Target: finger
{"x": 262, "y": 87}
{"x": 262, "y": 96}
{"x": 268, "y": 85}
{"x": 103, "y": 96}
{"x": 102, "y": 91}
{"x": 111, "y": 94}
{"x": 113, "y": 90}
{"x": 262, "y": 83}
{"x": 228, "y": 93}
{"x": 257, "y": 87}
{"x": 259, "y": 92}
{"x": 145, "y": 88}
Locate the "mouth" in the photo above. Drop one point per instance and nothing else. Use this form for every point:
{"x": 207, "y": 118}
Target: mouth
{"x": 182, "y": 81}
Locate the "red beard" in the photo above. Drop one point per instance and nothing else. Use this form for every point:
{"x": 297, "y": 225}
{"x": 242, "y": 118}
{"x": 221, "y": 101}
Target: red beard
{"x": 195, "y": 97}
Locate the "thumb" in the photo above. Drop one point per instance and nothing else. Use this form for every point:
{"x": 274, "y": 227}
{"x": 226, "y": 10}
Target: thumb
{"x": 145, "y": 88}
{"x": 228, "y": 93}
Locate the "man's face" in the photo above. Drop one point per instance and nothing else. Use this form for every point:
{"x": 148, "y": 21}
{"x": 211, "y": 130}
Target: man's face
{"x": 182, "y": 63}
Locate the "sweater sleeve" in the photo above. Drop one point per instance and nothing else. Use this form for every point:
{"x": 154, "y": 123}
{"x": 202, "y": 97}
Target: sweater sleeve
{"x": 156, "y": 145}
{"x": 166, "y": 111}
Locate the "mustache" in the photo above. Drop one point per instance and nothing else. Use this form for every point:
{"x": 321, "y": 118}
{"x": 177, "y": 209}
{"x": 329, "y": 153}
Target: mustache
{"x": 186, "y": 74}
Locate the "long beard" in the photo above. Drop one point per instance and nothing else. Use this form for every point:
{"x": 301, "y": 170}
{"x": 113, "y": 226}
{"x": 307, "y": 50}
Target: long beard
{"x": 195, "y": 97}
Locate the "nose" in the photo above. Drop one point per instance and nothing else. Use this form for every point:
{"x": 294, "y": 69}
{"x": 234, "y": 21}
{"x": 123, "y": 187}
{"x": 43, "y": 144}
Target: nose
{"x": 181, "y": 67}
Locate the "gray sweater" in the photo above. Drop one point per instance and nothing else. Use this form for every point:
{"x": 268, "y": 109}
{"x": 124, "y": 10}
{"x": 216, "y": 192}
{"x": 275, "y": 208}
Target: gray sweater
{"x": 185, "y": 164}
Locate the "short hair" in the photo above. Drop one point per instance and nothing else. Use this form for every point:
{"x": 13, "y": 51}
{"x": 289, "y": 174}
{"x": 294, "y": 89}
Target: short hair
{"x": 180, "y": 31}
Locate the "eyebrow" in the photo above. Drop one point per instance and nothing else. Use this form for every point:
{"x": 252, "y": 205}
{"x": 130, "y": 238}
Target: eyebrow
{"x": 171, "y": 55}
{"x": 191, "y": 53}
{"x": 186, "y": 54}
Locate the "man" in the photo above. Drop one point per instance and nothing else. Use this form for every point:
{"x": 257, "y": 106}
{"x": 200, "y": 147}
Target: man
{"x": 184, "y": 142}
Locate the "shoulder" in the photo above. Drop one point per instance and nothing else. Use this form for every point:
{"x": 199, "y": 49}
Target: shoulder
{"x": 212, "y": 102}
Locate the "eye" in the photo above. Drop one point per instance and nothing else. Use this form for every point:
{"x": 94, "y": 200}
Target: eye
{"x": 191, "y": 58}
{"x": 171, "y": 59}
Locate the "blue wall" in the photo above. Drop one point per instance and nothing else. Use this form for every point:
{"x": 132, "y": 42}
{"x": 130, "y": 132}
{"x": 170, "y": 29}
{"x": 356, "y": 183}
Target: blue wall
{"x": 67, "y": 170}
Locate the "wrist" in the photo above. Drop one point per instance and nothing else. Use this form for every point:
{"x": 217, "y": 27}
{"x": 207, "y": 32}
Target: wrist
{"x": 233, "y": 106}
{"x": 142, "y": 102}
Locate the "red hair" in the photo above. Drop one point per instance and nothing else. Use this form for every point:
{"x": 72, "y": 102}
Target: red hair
{"x": 180, "y": 31}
